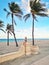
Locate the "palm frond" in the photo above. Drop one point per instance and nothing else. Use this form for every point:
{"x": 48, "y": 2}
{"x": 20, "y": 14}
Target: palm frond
{"x": 3, "y": 30}
{"x": 18, "y": 15}
{"x": 35, "y": 1}
{"x": 9, "y": 28}
{"x": 10, "y": 33}
{"x": 1, "y": 23}
{"x": 8, "y": 14}
{"x": 35, "y": 18}
{"x": 42, "y": 14}
{"x": 26, "y": 16}
{"x": 43, "y": 9}
{"x": 15, "y": 22}
{"x": 6, "y": 10}
{"x": 38, "y": 7}
{"x": 14, "y": 8}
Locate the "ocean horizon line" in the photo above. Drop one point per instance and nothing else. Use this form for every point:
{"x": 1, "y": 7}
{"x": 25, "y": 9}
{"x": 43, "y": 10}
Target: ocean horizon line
{"x": 24, "y": 38}
{"x": 21, "y": 39}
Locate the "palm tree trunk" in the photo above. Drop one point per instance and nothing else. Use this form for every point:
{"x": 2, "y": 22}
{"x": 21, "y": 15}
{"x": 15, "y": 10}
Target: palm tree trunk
{"x": 33, "y": 31}
{"x": 12, "y": 22}
{"x": 13, "y": 31}
{"x": 15, "y": 39}
{"x": 8, "y": 38}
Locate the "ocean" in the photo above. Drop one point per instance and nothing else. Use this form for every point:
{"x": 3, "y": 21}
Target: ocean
{"x": 12, "y": 40}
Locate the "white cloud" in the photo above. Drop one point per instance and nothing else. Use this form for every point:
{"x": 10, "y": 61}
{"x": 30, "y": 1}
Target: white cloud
{"x": 41, "y": 33}
{"x": 22, "y": 33}
{"x": 47, "y": 12}
{"x": 26, "y": 5}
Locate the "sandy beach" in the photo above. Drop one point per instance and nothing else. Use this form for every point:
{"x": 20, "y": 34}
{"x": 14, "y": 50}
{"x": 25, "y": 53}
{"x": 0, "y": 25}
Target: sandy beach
{"x": 25, "y": 60}
{"x": 4, "y": 49}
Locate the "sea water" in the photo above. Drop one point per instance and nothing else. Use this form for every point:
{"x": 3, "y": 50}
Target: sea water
{"x": 10, "y": 40}
{"x": 13, "y": 40}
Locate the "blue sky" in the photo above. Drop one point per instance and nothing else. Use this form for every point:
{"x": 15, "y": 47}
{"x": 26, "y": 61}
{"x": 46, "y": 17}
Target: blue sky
{"x": 24, "y": 29}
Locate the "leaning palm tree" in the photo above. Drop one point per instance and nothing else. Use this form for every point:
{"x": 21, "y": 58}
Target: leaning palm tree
{"x": 14, "y": 10}
{"x": 1, "y": 26}
{"x": 9, "y": 30}
{"x": 37, "y": 8}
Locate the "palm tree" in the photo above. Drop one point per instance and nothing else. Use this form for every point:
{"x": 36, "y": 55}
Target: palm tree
{"x": 14, "y": 10}
{"x": 37, "y": 8}
{"x": 9, "y": 30}
{"x": 1, "y": 26}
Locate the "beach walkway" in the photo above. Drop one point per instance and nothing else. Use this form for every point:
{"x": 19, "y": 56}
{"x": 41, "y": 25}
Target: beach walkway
{"x": 43, "y": 61}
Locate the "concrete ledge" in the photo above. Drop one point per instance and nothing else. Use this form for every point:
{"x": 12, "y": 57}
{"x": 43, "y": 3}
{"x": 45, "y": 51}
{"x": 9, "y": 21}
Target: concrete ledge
{"x": 35, "y": 49}
{"x": 13, "y": 55}
{"x": 24, "y": 50}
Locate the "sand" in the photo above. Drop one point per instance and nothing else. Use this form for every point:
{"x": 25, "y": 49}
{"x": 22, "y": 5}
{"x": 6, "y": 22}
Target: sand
{"x": 25, "y": 60}
{"x": 4, "y": 49}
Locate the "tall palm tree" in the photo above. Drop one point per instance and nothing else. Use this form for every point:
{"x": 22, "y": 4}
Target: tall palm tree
{"x": 14, "y": 10}
{"x": 9, "y": 30}
{"x": 1, "y": 26}
{"x": 37, "y": 8}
